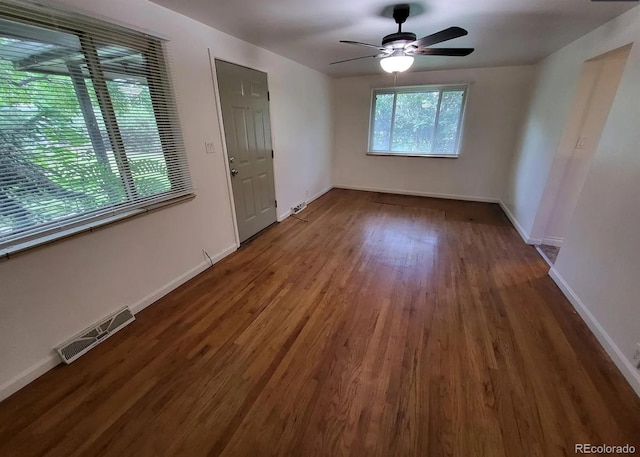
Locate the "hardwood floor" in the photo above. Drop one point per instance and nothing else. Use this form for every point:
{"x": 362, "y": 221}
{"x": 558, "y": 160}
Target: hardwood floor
{"x": 373, "y": 325}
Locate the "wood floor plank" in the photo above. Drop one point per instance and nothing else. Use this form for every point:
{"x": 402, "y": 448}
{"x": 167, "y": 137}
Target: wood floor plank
{"x": 368, "y": 325}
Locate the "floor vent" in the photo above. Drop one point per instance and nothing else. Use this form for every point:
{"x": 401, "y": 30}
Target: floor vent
{"x": 296, "y": 209}
{"x": 94, "y": 335}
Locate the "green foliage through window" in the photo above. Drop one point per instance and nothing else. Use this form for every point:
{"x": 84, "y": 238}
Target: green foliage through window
{"x": 417, "y": 121}
{"x": 86, "y": 127}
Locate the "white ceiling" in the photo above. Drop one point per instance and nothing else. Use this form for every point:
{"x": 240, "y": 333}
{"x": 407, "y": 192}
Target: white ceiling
{"x": 504, "y": 32}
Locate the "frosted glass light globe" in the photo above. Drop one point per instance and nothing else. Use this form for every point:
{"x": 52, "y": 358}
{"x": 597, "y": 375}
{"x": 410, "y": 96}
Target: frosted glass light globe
{"x": 396, "y": 64}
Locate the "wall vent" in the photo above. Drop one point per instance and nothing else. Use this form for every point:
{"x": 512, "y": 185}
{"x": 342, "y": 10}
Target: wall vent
{"x": 94, "y": 335}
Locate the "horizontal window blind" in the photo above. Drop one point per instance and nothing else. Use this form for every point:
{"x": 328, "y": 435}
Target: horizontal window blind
{"x": 88, "y": 123}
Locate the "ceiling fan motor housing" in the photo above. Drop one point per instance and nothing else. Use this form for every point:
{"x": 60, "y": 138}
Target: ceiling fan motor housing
{"x": 402, "y": 38}
{"x": 401, "y": 47}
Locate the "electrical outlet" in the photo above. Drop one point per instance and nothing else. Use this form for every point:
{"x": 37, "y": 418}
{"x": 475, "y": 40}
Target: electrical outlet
{"x": 636, "y": 356}
{"x": 210, "y": 147}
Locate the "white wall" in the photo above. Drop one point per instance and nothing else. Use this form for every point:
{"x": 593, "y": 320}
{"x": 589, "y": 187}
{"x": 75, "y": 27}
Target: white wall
{"x": 599, "y": 264}
{"x": 495, "y": 108}
{"x": 556, "y": 192}
{"x": 604, "y": 74}
{"x": 48, "y": 295}
{"x": 547, "y": 117}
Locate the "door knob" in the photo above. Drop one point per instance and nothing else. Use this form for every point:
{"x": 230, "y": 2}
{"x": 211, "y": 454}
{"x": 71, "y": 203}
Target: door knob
{"x": 234, "y": 172}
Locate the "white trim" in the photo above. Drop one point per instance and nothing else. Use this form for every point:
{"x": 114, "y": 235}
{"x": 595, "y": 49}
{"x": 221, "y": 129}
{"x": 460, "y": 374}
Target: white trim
{"x": 552, "y": 241}
{"x": 177, "y": 282}
{"x": 523, "y": 233}
{"x": 168, "y": 287}
{"x": 315, "y": 197}
{"x": 319, "y": 194}
{"x": 223, "y": 145}
{"x": 544, "y": 256}
{"x": 284, "y": 215}
{"x": 29, "y": 375}
{"x": 395, "y": 90}
{"x": 624, "y": 365}
{"x": 35, "y": 371}
{"x": 470, "y": 198}
{"x": 92, "y": 224}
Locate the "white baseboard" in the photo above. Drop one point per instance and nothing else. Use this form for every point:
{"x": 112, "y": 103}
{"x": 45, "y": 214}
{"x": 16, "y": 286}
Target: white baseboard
{"x": 286, "y": 214}
{"x": 623, "y": 363}
{"x": 174, "y": 284}
{"x": 29, "y": 375}
{"x": 320, "y": 194}
{"x": 552, "y": 241}
{"x": 523, "y": 233}
{"x": 544, "y": 256}
{"x": 470, "y": 198}
{"x": 35, "y": 371}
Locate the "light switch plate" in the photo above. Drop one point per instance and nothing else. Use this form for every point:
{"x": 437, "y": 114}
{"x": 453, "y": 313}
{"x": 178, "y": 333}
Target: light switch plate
{"x": 210, "y": 147}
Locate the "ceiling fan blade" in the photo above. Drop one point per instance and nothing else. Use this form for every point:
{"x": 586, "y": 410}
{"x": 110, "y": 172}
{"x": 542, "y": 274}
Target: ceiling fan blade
{"x": 355, "y": 58}
{"x": 439, "y": 37}
{"x": 454, "y": 52}
{"x": 357, "y": 43}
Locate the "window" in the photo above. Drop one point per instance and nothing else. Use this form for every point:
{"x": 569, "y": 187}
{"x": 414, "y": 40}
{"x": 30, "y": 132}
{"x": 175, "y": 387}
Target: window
{"x": 88, "y": 125}
{"x": 417, "y": 121}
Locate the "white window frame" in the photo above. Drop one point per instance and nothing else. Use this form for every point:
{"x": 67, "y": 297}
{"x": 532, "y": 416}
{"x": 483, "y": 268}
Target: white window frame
{"x": 169, "y": 129}
{"x": 417, "y": 89}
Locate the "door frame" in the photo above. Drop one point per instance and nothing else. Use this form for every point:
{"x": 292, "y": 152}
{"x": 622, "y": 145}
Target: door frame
{"x": 561, "y": 160}
{"x": 223, "y": 140}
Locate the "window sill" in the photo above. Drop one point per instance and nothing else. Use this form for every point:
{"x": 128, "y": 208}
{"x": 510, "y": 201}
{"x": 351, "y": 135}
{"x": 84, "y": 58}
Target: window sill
{"x": 11, "y": 251}
{"x": 409, "y": 154}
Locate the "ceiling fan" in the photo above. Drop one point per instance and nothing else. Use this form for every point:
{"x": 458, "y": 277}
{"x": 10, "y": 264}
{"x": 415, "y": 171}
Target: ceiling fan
{"x": 398, "y": 50}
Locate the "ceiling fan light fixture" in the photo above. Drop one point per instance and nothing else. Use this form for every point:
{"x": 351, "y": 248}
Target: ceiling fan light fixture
{"x": 398, "y": 49}
{"x": 396, "y": 64}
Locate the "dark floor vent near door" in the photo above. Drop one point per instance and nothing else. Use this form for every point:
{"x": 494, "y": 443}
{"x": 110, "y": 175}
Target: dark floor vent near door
{"x": 94, "y": 335}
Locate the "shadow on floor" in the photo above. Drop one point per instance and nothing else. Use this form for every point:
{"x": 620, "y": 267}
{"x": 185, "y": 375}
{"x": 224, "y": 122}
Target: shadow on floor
{"x": 454, "y": 210}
